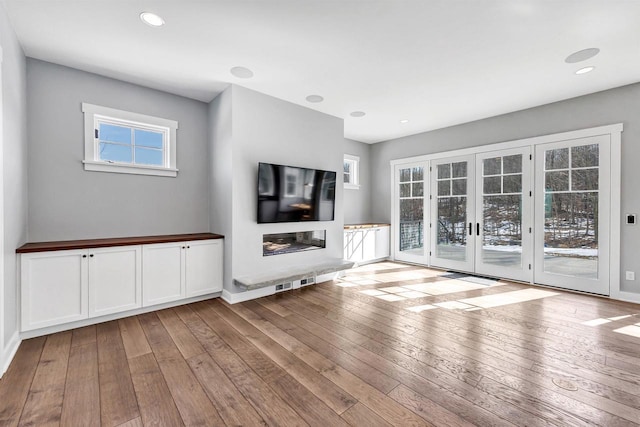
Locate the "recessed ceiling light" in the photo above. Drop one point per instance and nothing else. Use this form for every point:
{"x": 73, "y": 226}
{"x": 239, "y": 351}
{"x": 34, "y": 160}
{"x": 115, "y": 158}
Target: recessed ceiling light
{"x": 403, "y": 121}
{"x": 315, "y": 98}
{"x": 357, "y": 114}
{"x": 151, "y": 19}
{"x": 582, "y": 55}
{"x": 585, "y": 70}
{"x": 242, "y": 72}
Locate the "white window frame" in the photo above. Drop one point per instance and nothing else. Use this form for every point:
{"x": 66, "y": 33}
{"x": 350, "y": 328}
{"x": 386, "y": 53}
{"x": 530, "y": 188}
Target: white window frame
{"x": 354, "y": 182}
{"x": 96, "y": 113}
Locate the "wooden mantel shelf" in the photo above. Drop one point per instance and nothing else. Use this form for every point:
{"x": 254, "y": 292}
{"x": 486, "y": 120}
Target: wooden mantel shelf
{"x": 115, "y": 241}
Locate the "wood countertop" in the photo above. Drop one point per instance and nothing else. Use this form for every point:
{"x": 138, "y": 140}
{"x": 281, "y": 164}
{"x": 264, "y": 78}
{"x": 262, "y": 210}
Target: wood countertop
{"x": 365, "y": 225}
{"x": 114, "y": 241}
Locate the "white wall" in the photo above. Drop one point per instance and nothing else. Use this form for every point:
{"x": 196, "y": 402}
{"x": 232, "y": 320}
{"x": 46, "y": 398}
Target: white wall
{"x": 357, "y": 202}
{"x": 620, "y": 105}
{"x": 266, "y": 129}
{"x": 67, "y": 202}
{"x": 14, "y": 182}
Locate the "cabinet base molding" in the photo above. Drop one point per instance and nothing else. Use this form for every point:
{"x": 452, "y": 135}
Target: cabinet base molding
{"x": 96, "y": 320}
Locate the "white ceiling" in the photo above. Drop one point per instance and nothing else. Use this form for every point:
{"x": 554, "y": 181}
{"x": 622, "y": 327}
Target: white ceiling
{"x": 434, "y": 62}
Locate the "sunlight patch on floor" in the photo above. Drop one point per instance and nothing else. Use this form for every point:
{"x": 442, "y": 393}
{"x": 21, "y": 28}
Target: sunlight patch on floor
{"x": 595, "y": 322}
{"x": 419, "y": 308}
{"x": 453, "y": 305}
{"x": 506, "y": 298}
{"x": 443, "y": 287}
{"x": 373, "y": 292}
{"x": 632, "y": 330}
{"x": 390, "y": 297}
{"x": 603, "y": 321}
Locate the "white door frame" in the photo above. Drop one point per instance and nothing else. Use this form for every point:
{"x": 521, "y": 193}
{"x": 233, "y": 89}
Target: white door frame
{"x": 468, "y": 263}
{"x": 525, "y": 273}
{"x": 615, "y": 133}
{"x": 2, "y": 302}
{"x": 600, "y": 285}
{"x": 394, "y": 237}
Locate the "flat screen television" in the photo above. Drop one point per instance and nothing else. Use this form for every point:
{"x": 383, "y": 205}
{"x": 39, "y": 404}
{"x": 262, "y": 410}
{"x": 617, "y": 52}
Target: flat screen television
{"x": 292, "y": 194}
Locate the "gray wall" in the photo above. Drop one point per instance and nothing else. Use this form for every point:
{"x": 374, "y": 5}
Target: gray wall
{"x": 266, "y": 129}
{"x": 67, "y": 202}
{"x": 620, "y": 105}
{"x": 357, "y": 203}
{"x": 14, "y": 171}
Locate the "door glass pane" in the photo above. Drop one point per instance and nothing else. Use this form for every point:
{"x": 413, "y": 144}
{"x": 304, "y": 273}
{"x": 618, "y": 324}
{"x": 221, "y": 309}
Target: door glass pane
{"x": 444, "y": 187}
{"x": 451, "y": 226}
{"x": 452, "y": 230}
{"x": 459, "y": 187}
{"x": 444, "y": 171}
{"x": 502, "y": 212}
{"x": 556, "y": 159}
{"x": 512, "y": 164}
{"x": 512, "y": 184}
{"x": 584, "y": 156}
{"x": 492, "y": 166}
{"x": 491, "y": 185}
{"x": 556, "y": 181}
{"x": 459, "y": 169}
{"x": 571, "y": 214}
{"x": 412, "y": 210}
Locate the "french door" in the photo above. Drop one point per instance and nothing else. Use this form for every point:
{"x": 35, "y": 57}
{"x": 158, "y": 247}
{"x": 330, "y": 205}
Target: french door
{"x": 481, "y": 213}
{"x": 452, "y": 214}
{"x": 410, "y": 210}
{"x": 573, "y": 214}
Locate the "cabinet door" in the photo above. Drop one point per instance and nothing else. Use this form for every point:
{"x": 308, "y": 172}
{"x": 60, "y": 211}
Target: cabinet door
{"x": 355, "y": 245}
{"x": 114, "y": 280}
{"x": 163, "y": 273}
{"x": 203, "y": 267}
{"x": 368, "y": 244}
{"x": 53, "y": 288}
{"x": 382, "y": 243}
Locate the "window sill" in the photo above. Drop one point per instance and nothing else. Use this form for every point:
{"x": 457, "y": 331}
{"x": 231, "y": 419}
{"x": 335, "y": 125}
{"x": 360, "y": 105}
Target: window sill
{"x": 351, "y": 186}
{"x": 130, "y": 169}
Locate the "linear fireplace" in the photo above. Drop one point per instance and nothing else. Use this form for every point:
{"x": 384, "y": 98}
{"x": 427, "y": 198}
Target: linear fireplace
{"x": 286, "y": 243}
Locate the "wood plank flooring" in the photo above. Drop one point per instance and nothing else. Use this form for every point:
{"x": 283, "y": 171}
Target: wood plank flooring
{"x": 389, "y": 344}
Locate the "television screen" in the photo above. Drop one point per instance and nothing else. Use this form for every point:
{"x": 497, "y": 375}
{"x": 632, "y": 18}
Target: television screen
{"x": 292, "y": 194}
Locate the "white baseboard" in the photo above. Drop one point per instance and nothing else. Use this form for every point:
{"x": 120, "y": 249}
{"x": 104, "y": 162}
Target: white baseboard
{"x": 9, "y": 352}
{"x": 626, "y": 296}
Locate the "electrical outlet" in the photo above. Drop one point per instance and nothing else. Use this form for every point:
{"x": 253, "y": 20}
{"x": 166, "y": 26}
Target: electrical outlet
{"x": 630, "y": 275}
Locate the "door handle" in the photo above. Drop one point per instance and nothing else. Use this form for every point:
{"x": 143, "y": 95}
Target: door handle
{"x": 470, "y": 229}
{"x": 477, "y": 228}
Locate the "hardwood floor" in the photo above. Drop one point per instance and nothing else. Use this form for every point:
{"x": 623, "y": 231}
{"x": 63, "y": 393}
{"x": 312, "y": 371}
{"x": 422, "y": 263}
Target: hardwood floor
{"x": 389, "y": 344}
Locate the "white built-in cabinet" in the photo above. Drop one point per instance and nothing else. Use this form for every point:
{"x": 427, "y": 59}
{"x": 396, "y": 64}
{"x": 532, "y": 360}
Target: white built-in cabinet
{"x": 173, "y": 271}
{"x": 64, "y": 286}
{"x": 366, "y": 244}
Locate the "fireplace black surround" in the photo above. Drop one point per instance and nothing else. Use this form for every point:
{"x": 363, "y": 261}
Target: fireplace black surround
{"x": 299, "y": 241}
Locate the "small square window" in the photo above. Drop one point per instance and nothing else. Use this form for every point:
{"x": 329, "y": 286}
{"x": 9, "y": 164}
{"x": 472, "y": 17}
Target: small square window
{"x": 124, "y": 142}
{"x": 351, "y": 171}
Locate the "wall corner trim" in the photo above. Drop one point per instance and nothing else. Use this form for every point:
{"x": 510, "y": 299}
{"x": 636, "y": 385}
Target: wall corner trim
{"x": 9, "y": 353}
